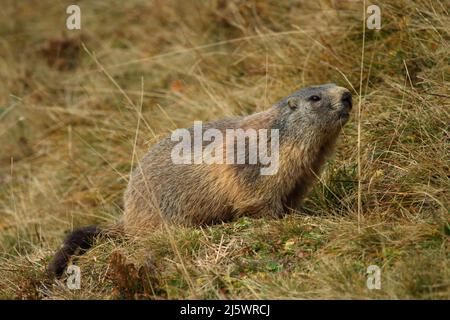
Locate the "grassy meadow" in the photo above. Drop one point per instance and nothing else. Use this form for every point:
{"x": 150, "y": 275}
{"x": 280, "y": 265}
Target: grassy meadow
{"x": 79, "y": 108}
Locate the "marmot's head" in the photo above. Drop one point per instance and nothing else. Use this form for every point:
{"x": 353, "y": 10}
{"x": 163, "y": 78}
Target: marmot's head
{"x": 322, "y": 109}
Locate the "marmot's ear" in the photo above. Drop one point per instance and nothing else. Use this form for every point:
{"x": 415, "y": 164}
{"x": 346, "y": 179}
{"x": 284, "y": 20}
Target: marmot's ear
{"x": 292, "y": 103}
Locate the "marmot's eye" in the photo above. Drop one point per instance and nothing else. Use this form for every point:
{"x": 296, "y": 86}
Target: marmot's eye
{"x": 314, "y": 98}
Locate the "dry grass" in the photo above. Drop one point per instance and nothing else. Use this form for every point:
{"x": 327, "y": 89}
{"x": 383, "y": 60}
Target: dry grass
{"x": 68, "y": 128}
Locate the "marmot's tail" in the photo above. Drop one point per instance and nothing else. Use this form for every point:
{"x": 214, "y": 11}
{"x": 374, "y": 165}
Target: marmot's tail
{"x": 76, "y": 243}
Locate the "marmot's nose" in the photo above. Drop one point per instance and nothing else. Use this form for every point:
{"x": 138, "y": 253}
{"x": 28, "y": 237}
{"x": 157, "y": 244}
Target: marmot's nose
{"x": 347, "y": 99}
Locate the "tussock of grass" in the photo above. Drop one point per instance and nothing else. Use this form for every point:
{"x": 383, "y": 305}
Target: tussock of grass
{"x": 68, "y": 121}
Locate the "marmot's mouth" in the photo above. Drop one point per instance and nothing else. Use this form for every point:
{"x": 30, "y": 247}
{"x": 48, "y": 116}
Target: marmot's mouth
{"x": 344, "y": 115}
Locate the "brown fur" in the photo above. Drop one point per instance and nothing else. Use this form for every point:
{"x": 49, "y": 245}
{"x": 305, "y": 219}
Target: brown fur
{"x": 161, "y": 192}
{"x": 197, "y": 194}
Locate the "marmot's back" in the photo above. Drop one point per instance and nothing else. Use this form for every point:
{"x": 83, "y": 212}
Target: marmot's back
{"x": 180, "y": 193}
